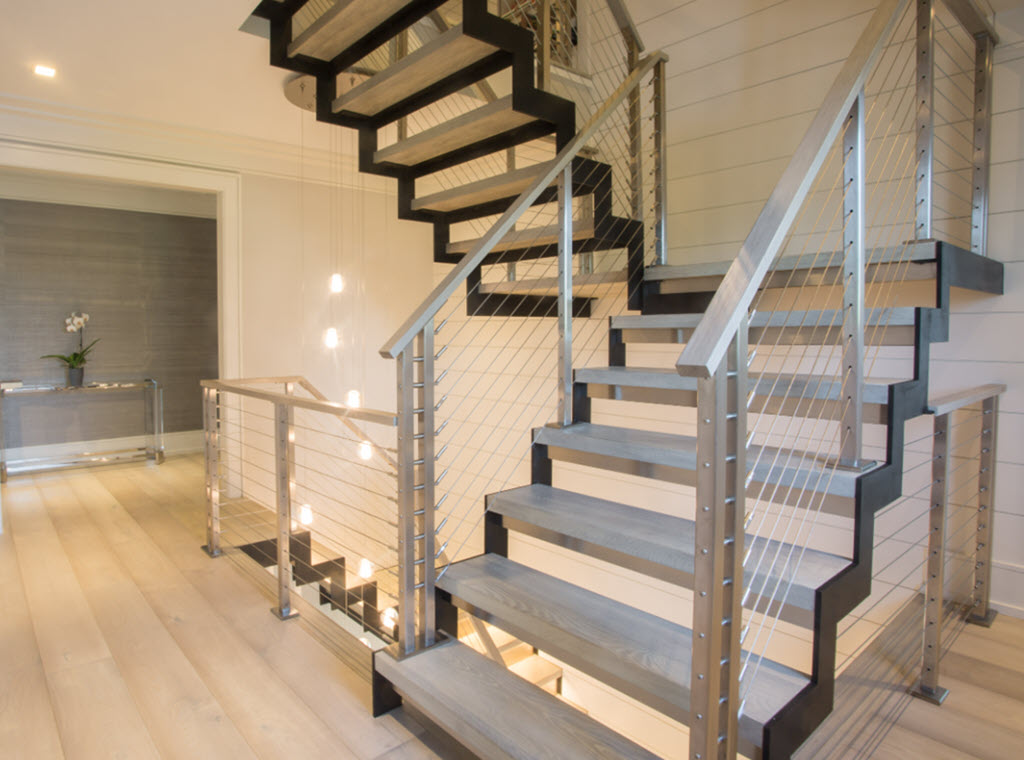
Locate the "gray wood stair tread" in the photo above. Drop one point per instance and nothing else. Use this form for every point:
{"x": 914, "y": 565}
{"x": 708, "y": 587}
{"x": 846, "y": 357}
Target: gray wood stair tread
{"x": 530, "y": 236}
{"x": 449, "y": 53}
{"x": 774, "y": 384}
{"x": 583, "y": 285}
{"x": 621, "y": 533}
{"x": 640, "y": 654}
{"x": 898, "y": 255}
{"x": 497, "y": 714}
{"x": 505, "y": 185}
{"x": 781, "y": 467}
{"x": 489, "y": 120}
{"x": 895, "y": 317}
{"x": 342, "y": 25}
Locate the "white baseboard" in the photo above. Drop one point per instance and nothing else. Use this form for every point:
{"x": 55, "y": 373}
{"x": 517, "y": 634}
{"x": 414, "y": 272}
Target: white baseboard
{"x": 185, "y": 442}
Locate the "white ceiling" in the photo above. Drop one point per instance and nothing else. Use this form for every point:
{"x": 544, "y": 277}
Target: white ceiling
{"x": 182, "y": 63}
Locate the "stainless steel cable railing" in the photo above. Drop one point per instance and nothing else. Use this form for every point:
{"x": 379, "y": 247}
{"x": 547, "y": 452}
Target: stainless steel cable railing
{"x": 816, "y": 290}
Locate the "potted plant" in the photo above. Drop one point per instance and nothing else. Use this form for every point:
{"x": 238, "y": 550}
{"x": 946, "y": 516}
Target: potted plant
{"x": 74, "y": 363}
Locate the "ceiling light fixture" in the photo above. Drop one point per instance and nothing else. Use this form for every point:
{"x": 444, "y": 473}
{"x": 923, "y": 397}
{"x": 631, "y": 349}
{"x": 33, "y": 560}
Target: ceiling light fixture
{"x": 45, "y": 71}
{"x": 331, "y": 337}
{"x": 337, "y": 283}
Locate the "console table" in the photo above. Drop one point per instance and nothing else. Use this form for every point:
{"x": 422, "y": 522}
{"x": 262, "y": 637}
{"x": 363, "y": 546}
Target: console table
{"x": 153, "y": 424}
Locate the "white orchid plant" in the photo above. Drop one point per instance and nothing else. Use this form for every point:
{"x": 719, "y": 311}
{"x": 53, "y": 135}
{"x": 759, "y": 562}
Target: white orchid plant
{"x": 75, "y": 323}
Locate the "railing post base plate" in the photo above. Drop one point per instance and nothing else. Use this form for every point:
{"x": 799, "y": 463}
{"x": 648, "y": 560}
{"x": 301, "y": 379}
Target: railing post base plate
{"x": 936, "y": 696}
{"x": 985, "y": 621}
{"x": 215, "y": 553}
{"x": 289, "y": 614}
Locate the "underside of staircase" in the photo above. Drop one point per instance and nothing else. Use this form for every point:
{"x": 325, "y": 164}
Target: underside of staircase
{"x": 477, "y": 700}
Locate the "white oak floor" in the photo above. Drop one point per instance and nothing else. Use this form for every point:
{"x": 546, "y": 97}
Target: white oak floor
{"x": 120, "y": 638}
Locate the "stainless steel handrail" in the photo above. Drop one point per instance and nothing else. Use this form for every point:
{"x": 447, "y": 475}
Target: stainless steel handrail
{"x": 707, "y": 347}
{"x": 242, "y": 387}
{"x": 971, "y": 18}
{"x": 625, "y": 22}
{"x": 950, "y": 402}
{"x": 416, "y": 322}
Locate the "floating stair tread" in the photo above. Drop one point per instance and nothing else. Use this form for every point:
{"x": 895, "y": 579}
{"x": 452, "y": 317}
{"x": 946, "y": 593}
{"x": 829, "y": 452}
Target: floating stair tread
{"x": 637, "y": 377}
{"x": 583, "y": 285}
{"x": 531, "y": 236}
{"x": 448, "y": 54}
{"x": 537, "y": 670}
{"x": 621, "y": 533}
{"x": 505, "y": 185}
{"x": 495, "y": 713}
{"x": 818, "y": 387}
{"x": 781, "y": 467}
{"x": 640, "y": 654}
{"x": 899, "y": 255}
{"x": 341, "y": 26}
{"x": 894, "y": 317}
{"x": 487, "y": 121}
{"x": 772, "y": 384}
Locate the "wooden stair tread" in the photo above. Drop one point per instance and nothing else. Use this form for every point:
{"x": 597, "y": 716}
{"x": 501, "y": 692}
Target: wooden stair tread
{"x": 531, "y": 236}
{"x": 446, "y": 55}
{"x": 494, "y": 188}
{"x": 341, "y": 26}
{"x": 895, "y": 317}
{"x": 583, "y": 285}
{"x": 654, "y": 543}
{"x": 486, "y": 708}
{"x": 479, "y": 124}
{"x": 815, "y": 327}
{"x": 784, "y": 467}
{"x": 921, "y": 252}
{"x": 537, "y": 670}
{"x": 637, "y": 653}
{"x": 773, "y": 384}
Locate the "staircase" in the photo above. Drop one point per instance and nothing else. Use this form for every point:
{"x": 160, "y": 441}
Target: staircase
{"x": 649, "y": 658}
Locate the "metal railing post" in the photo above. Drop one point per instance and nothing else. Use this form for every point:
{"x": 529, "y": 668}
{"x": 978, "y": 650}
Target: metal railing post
{"x": 983, "y": 614}
{"x": 718, "y": 563}
{"x": 283, "y": 464}
{"x": 424, "y": 502}
{"x": 982, "y": 138}
{"x": 565, "y": 297}
{"x": 928, "y": 687}
{"x": 406, "y": 634}
{"x": 158, "y": 421}
{"x": 660, "y": 165}
{"x": 851, "y": 434}
{"x": 211, "y": 432}
{"x": 636, "y": 146}
{"x": 925, "y": 116}
{"x": 544, "y": 46}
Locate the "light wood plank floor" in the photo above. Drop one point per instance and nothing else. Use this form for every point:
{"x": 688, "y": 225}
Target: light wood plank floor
{"x": 119, "y": 638}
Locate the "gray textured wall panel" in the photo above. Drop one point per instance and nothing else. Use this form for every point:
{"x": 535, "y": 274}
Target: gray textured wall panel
{"x": 149, "y": 284}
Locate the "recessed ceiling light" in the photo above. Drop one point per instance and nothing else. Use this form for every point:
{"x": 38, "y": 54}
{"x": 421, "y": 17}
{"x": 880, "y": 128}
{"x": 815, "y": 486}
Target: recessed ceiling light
{"x": 46, "y": 71}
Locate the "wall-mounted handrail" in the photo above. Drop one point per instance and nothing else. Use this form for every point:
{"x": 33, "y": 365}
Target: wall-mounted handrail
{"x": 707, "y": 347}
{"x": 243, "y": 388}
{"x": 426, "y": 311}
